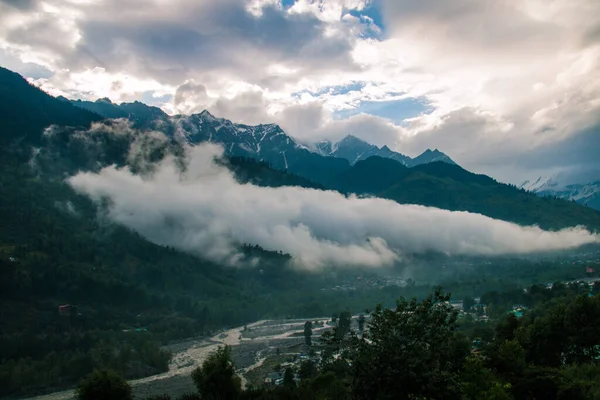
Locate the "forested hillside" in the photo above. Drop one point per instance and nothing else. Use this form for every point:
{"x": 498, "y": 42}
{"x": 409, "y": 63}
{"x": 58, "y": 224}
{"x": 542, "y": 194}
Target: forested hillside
{"x": 26, "y": 110}
{"x": 451, "y": 187}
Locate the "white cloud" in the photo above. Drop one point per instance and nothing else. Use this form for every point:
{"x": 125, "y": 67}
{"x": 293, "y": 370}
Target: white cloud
{"x": 206, "y": 212}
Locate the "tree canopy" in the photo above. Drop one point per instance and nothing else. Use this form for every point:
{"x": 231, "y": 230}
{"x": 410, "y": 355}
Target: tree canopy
{"x": 102, "y": 385}
{"x": 216, "y": 379}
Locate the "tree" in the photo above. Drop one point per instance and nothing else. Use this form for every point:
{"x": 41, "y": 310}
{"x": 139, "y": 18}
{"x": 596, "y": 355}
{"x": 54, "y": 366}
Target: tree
{"x": 468, "y": 302}
{"x": 410, "y": 352}
{"x": 480, "y": 383}
{"x": 507, "y": 358}
{"x": 361, "y": 323}
{"x": 566, "y": 334}
{"x": 582, "y": 321}
{"x": 334, "y": 318}
{"x": 308, "y": 333}
{"x": 506, "y": 328}
{"x": 325, "y": 386}
{"x": 288, "y": 378}
{"x": 343, "y": 326}
{"x": 308, "y": 370}
{"x": 216, "y": 378}
{"x": 104, "y": 384}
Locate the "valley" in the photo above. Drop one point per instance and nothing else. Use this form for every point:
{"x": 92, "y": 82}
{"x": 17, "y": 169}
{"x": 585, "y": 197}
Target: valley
{"x": 250, "y": 344}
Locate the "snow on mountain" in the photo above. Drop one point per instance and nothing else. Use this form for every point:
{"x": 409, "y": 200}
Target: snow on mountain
{"x": 265, "y": 142}
{"x": 569, "y": 186}
{"x": 268, "y": 142}
{"x": 536, "y": 184}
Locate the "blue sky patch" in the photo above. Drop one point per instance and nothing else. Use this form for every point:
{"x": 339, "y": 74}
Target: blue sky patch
{"x": 287, "y": 3}
{"x": 372, "y": 11}
{"x": 149, "y": 99}
{"x": 394, "y": 110}
{"x": 333, "y": 90}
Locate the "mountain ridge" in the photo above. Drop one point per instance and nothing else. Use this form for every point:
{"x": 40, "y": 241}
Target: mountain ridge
{"x": 350, "y": 148}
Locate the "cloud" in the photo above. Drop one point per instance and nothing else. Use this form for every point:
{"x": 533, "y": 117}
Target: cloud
{"x": 205, "y": 211}
{"x": 191, "y": 97}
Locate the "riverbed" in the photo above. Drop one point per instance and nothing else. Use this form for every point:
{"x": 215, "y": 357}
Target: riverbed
{"x": 249, "y": 343}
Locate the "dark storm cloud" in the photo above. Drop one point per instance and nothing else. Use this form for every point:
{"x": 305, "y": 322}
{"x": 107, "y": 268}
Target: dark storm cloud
{"x": 582, "y": 148}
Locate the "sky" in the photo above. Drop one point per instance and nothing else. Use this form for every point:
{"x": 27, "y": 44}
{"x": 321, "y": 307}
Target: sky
{"x": 509, "y": 88}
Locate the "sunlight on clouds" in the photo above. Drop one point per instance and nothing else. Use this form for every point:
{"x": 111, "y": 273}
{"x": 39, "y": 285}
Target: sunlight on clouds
{"x": 281, "y": 70}
{"x": 255, "y": 7}
{"x": 97, "y": 83}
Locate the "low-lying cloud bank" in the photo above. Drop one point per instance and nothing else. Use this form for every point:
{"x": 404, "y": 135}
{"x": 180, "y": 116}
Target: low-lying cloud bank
{"x": 205, "y": 211}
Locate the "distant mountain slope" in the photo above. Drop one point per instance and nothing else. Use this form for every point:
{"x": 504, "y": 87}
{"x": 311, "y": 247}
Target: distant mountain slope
{"x": 354, "y": 150}
{"x": 442, "y": 185}
{"x": 141, "y": 115}
{"x": 371, "y": 175}
{"x": 587, "y": 194}
{"x": 26, "y": 110}
{"x": 584, "y": 187}
{"x": 429, "y": 156}
{"x": 248, "y": 170}
{"x": 103, "y": 107}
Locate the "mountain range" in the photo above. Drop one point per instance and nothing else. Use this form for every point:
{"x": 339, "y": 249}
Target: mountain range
{"x": 264, "y": 142}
